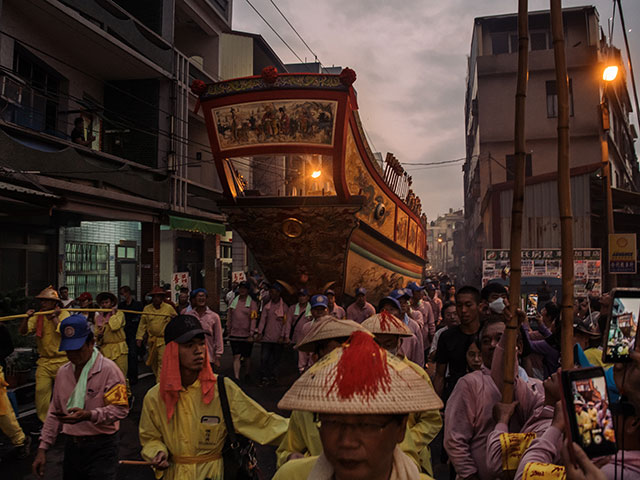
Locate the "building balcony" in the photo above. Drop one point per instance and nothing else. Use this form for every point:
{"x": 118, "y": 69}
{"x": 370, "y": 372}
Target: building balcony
{"x": 539, "y": 60}
{"x": 101, "y": 37}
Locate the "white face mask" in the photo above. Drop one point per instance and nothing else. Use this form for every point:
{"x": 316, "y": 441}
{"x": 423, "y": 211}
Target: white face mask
{"x": 497, "y": 306}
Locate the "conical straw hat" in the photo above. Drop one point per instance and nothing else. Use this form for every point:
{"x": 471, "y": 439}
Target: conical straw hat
{"x": 360, "y": 378}
{"x": 385, "y": 323}
{"x": 49, "y": 293}
{"x": 325, "y": 328}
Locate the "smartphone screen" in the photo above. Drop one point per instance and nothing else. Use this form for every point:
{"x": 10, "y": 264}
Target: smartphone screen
{"x": 622, "y": 327}
{"x": 532, "y": 305}
{"x": 588, "y": 410}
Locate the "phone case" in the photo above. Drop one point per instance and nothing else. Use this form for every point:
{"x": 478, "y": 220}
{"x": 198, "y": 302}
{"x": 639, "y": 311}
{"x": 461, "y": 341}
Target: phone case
{"x": 587, "y": 411}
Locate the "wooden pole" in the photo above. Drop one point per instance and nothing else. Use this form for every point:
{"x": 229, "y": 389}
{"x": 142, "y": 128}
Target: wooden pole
{"x": 564, "y": 185}
{"x": 518, "y": 200}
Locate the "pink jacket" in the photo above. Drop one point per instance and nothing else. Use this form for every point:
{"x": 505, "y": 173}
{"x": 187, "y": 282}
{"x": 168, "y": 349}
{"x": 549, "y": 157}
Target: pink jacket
{"x": 296, "y": 334}
{"x": 211, "y": 322}
{"x": 538, "y": 424}
{"x": 544, "y": 449}
{"x": 338, "y": 312}
{"x": 273, "y": 322}
{"x": 412, "y": 347}
{"x": 360, "y": 315}
{"x": 106, "y": 399}
{"x": 428, "y": 322}
{"x": 469, "y": 421}
{"x": 241, "y": 324}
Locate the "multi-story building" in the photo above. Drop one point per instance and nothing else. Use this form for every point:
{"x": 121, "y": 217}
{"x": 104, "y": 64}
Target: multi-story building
{"x": 443, "y": 242}
{"x": 136, "y": 201}
{"x": 595, "y": 136}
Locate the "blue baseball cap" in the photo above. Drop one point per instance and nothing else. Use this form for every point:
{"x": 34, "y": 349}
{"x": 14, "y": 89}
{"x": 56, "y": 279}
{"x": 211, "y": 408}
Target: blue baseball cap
{"x": 400, "y": 292}
{"x": 390, "y": 300}
{"x": 197, "y": 291}
{"x": 74, "y": 331}
{"x": 328, "y": 292}
{"x": 276, "y": 286}
{"x": 303, "y": 292}
{"x": 319, "y": 301}
{"x": 361, "y": 291}
{"x": 414, "y": 287}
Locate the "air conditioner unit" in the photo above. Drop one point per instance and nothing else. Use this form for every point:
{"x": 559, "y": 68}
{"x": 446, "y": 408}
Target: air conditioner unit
{"x": 11, "y": 89}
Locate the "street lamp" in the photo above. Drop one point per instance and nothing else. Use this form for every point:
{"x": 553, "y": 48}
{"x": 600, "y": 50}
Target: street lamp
{"x": 610, "y": 73}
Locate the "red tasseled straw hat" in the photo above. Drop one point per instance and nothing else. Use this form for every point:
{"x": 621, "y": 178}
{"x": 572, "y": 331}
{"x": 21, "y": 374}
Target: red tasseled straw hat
{"x": 362, "y": 369}
{"x": 388, "y": 321}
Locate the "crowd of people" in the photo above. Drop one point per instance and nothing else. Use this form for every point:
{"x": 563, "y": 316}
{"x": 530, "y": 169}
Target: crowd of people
{"x": 378, "y": 386}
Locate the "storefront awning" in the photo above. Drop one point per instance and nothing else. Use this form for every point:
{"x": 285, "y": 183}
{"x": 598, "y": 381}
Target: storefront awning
{"x": 199, "y": 226}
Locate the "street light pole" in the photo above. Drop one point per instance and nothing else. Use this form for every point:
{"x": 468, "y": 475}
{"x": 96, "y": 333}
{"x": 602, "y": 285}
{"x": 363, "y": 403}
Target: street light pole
{"x": 608, "y": 76}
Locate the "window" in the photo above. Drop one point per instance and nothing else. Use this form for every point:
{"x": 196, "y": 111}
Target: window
{"x": 86, "y": 267}
{"x": 552, "y": 99}
{"x": 511, "y": 166}
{"x": 40, "y": 99}
{"x": 500, "y": 43}
{"x": 126, "y": 253}
{"x": 539, "y": 40}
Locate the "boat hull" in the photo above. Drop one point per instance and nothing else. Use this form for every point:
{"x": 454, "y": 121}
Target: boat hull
{"x": 319, "y": 243}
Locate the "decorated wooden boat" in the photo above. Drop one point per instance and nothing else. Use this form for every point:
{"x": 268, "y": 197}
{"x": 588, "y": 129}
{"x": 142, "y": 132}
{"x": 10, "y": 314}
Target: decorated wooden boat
{"x": 303, "y": 189}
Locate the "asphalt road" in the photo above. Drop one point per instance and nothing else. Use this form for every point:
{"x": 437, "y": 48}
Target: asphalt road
{"x": 12, "y": 468}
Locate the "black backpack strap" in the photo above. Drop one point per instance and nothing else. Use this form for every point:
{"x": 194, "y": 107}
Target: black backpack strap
{"x": 226, "y": 413}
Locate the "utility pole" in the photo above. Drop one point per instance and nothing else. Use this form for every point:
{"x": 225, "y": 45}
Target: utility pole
{"x": 564, "y": 185}
{"x": 518, "y": 201}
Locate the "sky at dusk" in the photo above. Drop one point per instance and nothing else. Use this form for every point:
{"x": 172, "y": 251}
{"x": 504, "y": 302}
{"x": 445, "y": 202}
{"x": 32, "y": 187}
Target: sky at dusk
{"x": 410, "y": 58}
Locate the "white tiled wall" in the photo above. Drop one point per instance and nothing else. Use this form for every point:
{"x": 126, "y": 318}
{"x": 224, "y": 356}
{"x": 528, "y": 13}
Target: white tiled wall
{"x": 107, "y": 232}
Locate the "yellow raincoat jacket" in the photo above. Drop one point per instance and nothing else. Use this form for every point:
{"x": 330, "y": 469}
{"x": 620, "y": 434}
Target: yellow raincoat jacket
{"x": 198, "y": 430}
{"x": 113, "y": 342}
{"x": 303, "y": 435}
{"x": 154, "y": 325}
{"x": 50, "y": 359}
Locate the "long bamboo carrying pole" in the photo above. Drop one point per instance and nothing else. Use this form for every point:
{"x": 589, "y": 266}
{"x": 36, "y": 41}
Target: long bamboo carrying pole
{"x": 49, "y": 312}
{"x": 564, "y": 184}
{"x": 518, "y": 200}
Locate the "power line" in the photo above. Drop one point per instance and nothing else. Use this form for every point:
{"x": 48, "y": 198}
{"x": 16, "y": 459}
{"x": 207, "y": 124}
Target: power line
{"x": 455, "y": 160}
{"x": 274, "y": 30}
{"x": 296, "y": 32}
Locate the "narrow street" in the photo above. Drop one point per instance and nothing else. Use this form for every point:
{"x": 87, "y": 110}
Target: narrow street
{"x": 12, "y": 468}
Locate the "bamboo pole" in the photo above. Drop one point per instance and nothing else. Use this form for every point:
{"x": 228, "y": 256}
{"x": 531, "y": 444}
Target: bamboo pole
{"x": 49, "y": 312}
{"x": 564, "y": 184}
{"x": 518, "y": 201}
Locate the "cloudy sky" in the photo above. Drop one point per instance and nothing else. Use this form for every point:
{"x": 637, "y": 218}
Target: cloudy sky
{"x": 410, "y": 57}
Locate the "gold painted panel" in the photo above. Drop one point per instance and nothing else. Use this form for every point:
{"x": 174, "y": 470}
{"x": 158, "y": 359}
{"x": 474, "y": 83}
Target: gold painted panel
{"x": 379, "y": 210}
{"x": 402, "y": 227}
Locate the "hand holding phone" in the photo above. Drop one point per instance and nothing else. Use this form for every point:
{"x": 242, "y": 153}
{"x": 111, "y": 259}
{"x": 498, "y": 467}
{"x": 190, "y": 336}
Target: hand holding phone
{"x": 587, "y": 411}
{"x": 622, "y": 325}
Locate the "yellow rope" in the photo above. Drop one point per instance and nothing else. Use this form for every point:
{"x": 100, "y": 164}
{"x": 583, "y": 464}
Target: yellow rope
{"x": 49, "y": 312}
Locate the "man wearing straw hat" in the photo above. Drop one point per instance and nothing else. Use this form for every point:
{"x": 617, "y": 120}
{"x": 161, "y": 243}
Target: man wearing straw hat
{"x": 423, "y": 427}
{"x": 182, "y": 427}
{"x": 303, "y": 439}
{"x": 363, "y": 397}
{"x": 154, "y": 319}
{"x": 89, "y": 400}
{"x": 110, "y": 335}
{"x": 50, "y": 359}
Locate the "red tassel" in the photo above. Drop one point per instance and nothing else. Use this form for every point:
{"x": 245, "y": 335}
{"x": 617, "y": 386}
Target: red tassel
{"x": 362, "y": 369}
{"x": 387, "y": 321}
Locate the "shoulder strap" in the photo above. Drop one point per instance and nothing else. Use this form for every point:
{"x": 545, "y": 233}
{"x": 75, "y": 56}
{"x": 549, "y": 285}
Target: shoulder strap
{"x": 293, "y": 327}
{"x": 226, "y": 412}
